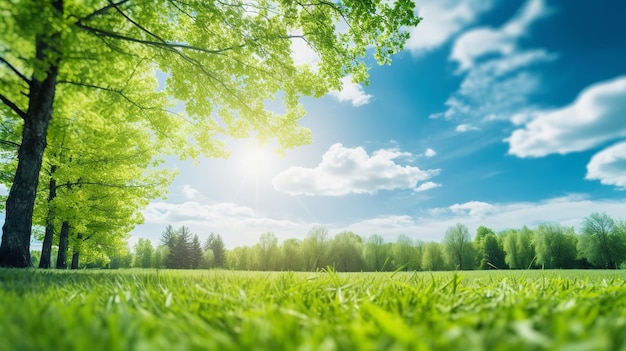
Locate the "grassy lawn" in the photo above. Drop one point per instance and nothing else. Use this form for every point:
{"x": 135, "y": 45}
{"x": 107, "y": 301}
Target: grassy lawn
{"x": 223, "y": 310}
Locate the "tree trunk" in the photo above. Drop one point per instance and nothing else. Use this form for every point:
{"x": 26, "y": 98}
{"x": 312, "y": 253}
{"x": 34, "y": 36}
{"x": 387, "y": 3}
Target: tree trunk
{"x": 76, "y": 251}
{"x": 46, "y": 248}
{"x": 16, "y": 231}
{"x": 75, "y": 256}
{"x": 63, "y": 241}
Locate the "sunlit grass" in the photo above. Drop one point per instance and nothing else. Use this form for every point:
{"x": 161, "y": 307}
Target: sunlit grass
{"x": 223, "y": 310}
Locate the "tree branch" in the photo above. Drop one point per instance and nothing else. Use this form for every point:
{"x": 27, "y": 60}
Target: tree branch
{"x": 103, "y": 10}
{"x": 69, "y": 185}
{"x": 10, "y": 143}
{"x": 13, "y": 106}
{"x": 15, "y": 70}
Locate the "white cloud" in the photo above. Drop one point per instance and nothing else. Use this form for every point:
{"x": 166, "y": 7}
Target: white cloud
{"x": 442, "y": 19}
{"x": 466, "y": 127}
{"x": 477, "y": 43}
{"x": 497, "y": 82}
{"x": 344, "y": 171}
{"x": 598, "y": 115}
{"x": 609, "y": 166}
{"x": 190, "y": 192}
{"x": 473, "y": 208}
{"x": 430, "y": 152}
{"x": 352, "y": 92}
{"x": 426, "y": 186}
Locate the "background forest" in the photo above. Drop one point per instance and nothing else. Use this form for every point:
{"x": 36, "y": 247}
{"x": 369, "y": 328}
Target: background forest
{"x": 601, "y": 243}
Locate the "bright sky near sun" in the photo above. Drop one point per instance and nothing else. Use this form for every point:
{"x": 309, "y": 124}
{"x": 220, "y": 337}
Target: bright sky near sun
{"x": 500, "y": 113}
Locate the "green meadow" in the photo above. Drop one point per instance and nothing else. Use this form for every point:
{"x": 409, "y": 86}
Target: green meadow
{"x": 232, "y": 310}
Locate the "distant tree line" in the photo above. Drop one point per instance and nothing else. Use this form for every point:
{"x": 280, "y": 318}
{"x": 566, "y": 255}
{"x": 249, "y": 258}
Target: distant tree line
{"x": 600, "y": 244}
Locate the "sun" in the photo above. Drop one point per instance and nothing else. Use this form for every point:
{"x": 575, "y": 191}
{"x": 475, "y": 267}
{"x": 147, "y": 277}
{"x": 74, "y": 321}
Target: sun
{"x": 258, "y": 159}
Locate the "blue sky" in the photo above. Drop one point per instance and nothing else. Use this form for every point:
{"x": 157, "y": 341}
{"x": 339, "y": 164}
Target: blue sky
{"x": 500, "y": 113}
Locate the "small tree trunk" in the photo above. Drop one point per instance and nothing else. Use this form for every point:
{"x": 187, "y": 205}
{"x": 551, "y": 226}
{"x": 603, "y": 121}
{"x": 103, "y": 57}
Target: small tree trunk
{"x": 46, "y": 248}
{"x": 76, "y": 251}
{"x": 63, "y": 241}
{"x": 75, "y": 256}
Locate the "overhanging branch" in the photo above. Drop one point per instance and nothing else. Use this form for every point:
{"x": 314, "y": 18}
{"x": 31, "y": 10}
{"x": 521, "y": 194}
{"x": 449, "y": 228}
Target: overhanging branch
{"x": 103, "y": 10}
{"x": 9, "y": 143}
{"x": 13, "y": 106}
{"x": 15, "y": 70}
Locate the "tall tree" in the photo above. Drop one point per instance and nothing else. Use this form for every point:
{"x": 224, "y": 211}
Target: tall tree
{"x": 519, "y": 248}
{"x": 315, "y": 248}
{"x": 222, "y": 59}
{"x": 555, "y": 246}
{"x": 493, "y": 253}
{"x": 143, "y": 253}
{"x": 291, "y": 253}
{"x": 479, "y": 243}
{"x": 216, "y": 245}
{"x": 168, "y": 240}
{"x": 195, "y": 253}
{"x": 346, "y": 252}
{"x": 458, "y": 247}
{"x": 377, "y": 254}
{"x": 602, "y": 241}
{"x": 180, "y": 253}
{"x": 101, "y": 186}
{"x": 267, "y": 251}
{"x": 433, "y": 257}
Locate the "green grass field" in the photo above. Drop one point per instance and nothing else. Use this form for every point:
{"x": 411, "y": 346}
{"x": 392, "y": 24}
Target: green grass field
{"x": 223, "y": 310}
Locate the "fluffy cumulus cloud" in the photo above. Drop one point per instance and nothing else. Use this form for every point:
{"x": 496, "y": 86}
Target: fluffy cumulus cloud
{"x": 344, "y": 171}
{"x": 497, "y": 81}
{"x": 442, "y": 20}
{"x": 352, "y": 92}
{"x": 609, "y": 166}
{"x": 596, "y": 116}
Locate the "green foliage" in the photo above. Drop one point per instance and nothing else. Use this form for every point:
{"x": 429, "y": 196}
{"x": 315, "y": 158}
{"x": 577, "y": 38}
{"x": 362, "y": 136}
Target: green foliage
{"x": 458, "y": 247}
{"x": 493, "y": 253}
{"x": 183, "y": 248}
{"x": 221, "y": 310}
{"x": 377, "y": 254}
{"x": 215, "y": 244}
{"x": 346, "y": 252}
{"x": 143, "y": 253}
{"x": 407, "y": 255}
{"x": 519, "y": 248}
{"x": 91, "y": 66}
{"x": 602, "y": 241}
{"x": 315, "y": 249}
{"x": 433, "y": 258}
{"x": 555, "y": 246}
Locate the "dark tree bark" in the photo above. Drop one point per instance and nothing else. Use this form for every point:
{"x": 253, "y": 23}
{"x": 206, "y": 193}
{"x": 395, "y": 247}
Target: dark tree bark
{"x": 63, "y": 244}
{"x": 16, "y": 231}
{"x": 75, "y": 257}
{"x": 46, "y": 249}
{"x": 76, "y": 251}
